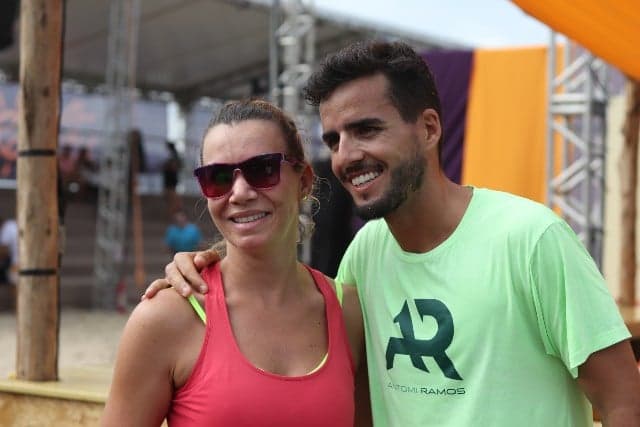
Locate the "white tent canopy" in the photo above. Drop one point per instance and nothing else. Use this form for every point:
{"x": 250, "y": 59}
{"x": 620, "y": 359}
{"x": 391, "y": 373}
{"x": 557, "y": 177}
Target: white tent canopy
{"x": 195, "y": 48}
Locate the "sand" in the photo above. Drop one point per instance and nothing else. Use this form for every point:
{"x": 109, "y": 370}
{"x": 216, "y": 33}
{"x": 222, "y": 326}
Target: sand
{"x": 87, "y": 338}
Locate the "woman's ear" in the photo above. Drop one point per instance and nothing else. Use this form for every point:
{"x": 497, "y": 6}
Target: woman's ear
{"x": 306, "y": 181}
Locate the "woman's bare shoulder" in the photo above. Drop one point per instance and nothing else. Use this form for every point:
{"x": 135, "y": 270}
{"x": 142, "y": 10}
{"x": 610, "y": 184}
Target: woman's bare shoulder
{"x": 165, "y": 314}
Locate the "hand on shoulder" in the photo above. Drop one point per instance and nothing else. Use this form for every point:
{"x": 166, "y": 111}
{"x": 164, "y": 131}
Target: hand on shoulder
{"x": 183, "y": 273}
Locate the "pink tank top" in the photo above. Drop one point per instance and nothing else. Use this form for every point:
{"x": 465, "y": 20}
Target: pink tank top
{"x": 225, "y": 389}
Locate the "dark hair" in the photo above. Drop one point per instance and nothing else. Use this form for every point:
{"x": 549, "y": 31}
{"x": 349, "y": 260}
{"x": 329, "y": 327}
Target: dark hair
{"x": 411, "y": 85}
{"x": 239, "y": 111}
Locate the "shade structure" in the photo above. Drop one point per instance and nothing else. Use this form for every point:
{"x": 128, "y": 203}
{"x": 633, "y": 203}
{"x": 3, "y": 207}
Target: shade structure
{"x": 609, "y": 29}
{"x": 195, "y": 48}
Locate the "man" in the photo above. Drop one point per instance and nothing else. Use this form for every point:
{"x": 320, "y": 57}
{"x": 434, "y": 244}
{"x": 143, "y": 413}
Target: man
{"x": 182, "y": 235}
{"x": 8, "y": 251}
{"x": 170, "y": 176}
{"x": 481, "y": 308}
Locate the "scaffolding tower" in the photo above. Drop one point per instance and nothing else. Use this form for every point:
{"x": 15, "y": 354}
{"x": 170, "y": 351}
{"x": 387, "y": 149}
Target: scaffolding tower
{"x": 113, "y": 191}
{"x": 576, "y": 140}
{"x": 292, "y": 54}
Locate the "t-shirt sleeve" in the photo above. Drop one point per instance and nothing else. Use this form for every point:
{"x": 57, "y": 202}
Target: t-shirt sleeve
{"x": 576, "y": 314}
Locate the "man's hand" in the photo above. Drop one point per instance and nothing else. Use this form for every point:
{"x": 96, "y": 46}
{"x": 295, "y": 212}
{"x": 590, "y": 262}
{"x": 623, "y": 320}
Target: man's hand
{"x": 183, "y": 273}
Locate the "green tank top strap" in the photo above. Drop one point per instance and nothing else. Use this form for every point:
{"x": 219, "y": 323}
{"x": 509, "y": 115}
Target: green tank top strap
{"x": 339, "y": 292}
{"x": 198, "y": 308}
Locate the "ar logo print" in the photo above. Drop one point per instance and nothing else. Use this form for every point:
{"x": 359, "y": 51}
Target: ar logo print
{"x": 417, "y": 349}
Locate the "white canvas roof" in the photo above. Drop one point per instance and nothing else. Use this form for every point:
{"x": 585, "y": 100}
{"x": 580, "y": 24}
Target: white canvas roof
{"x": 196, "y": 48}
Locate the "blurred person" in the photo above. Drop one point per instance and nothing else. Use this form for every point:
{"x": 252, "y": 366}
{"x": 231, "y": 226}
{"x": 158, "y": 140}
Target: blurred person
{"x": 182, "y": 235}
{"x": 8, "y": 159}
{"x": 87, "y": 169}
{"x": 480, "y": 307}
{"x": 9, "y": 251}
{"x": 170, "y": 172}
{"x": 275, "y": 345}
{"x": 68, "y": 169}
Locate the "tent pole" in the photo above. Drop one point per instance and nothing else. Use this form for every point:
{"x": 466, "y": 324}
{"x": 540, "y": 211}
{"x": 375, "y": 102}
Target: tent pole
{"x": 629, "y": 180}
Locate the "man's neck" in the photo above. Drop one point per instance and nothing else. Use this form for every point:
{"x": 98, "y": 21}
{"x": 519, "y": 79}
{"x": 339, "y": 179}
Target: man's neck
{"x": 430, "y": 216}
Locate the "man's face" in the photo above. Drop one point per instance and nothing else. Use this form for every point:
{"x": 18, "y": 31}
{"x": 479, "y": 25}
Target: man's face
{"x": 378, "y": 157}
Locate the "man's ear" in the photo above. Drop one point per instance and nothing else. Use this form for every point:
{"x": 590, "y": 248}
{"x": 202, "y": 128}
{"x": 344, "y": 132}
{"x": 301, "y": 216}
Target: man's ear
{"x": 432, "y": 128}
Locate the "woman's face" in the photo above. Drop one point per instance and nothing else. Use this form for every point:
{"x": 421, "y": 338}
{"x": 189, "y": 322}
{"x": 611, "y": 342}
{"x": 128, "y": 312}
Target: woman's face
{"x": 252, "y": 218}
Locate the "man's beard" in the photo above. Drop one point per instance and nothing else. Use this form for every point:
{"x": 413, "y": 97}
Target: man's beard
{"x": 405, "y": 179}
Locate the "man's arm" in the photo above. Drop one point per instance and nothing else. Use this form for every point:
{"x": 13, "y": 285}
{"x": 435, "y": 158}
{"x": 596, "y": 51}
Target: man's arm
{"x": 582, "y": 326}
{"x": 183, "y": 273}
{"x": 611, "y": 381}
{"x": 363, "y": 417}
{"x": 352, "y": 314}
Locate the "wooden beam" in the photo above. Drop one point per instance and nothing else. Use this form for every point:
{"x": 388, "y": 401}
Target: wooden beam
{"x": 136, "y": 215}
{"x": 38, "y": 125}
{"x": 629, "y": 180}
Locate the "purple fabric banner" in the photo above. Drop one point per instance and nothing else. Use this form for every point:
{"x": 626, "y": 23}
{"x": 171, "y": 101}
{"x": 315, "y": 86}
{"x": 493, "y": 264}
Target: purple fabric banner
{"x": 452, "y": 72}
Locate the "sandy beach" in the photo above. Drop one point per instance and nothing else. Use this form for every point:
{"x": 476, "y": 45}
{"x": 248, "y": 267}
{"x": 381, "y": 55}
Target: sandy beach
{"x": 87, "y": 338}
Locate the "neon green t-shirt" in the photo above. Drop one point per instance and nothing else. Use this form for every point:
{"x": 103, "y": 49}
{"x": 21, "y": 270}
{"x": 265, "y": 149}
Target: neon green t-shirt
{"x": 488, "y": 328}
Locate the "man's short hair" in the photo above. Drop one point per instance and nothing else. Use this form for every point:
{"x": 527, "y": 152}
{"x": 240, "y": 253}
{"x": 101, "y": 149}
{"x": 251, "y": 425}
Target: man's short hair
{"x": 411, "y": 85}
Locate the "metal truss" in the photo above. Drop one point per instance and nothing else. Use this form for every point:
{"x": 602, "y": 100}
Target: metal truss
{"x": 113, "y": 192}
{"x": 576, "y": 141}
{"x": 292, "y": 55}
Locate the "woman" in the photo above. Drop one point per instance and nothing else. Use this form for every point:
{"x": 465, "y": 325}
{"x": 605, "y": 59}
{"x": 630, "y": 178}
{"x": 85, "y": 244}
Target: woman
{"x": 276, "y": 347}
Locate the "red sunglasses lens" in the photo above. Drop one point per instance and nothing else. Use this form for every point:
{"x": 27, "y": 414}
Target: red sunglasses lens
{"x": 261, "y": 171}
{"x": 215, "y": 180}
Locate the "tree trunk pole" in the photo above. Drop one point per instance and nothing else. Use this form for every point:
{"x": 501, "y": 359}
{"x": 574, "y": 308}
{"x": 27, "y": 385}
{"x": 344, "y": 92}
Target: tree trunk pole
{"x": 137, "y": 229}
{"x": 37, "y": 203}
{"x": 629, "y": 179}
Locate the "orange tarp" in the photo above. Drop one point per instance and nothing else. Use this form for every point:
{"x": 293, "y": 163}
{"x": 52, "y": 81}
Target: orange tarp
{"x": 505, "y": 135}
{"x": 610, "y": 29}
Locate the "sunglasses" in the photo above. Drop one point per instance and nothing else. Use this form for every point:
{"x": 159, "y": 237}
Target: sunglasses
{"x": 260, "y": 172}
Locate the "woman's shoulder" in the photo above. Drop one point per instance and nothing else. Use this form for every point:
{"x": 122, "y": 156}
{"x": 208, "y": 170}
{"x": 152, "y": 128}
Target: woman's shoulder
{"x": 347, "y": 294}
{"x": 166, "y": 315}
{"x": 330, "y": 281}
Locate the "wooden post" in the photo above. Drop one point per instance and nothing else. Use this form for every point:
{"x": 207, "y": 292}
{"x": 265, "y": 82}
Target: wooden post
{"x": 136, "y": 215}
{"x": 37, "y": 203}
{"x": 135, "y": 147}
{"x": 629, "y": 179}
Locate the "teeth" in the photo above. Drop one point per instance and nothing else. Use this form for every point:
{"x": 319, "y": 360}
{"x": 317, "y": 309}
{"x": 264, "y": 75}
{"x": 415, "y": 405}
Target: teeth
{"x": 251, "y": 218}
{"x": 361, "y": 179}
